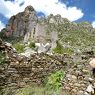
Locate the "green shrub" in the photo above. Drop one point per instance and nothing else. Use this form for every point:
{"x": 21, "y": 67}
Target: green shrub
{"x": 2, "y": 33}
{"x": 59, "y": 48}
{"x": 2, "y": 58}
{"x": 19, "y": 47}
{"x": 32, "y": 45}
{"x": 54, "y": 81}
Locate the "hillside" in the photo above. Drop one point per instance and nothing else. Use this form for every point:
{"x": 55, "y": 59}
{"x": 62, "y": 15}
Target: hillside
{"x": 46, "y": 56}
{"x": 27, "y": 26}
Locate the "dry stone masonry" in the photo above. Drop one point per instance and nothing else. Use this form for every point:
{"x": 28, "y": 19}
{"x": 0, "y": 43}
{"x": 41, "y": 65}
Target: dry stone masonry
{"x": 20, "y": 71}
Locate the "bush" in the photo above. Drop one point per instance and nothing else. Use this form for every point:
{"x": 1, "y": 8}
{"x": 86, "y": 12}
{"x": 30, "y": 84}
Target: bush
{"x": 19, "y": 47}
{"x": 2, "y": 33}
{"x": 32, "y": 45}
{"x": 54, "y": 81}
{"x": 59, "y": 48}
{"x": 2, "y": 58}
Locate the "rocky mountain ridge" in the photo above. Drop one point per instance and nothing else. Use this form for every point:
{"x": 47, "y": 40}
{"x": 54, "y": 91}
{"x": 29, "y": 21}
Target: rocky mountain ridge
{"x": 27, "y": 26}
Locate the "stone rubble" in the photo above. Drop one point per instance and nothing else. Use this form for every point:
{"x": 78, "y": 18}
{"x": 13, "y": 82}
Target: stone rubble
{"x": 20, "y": 71}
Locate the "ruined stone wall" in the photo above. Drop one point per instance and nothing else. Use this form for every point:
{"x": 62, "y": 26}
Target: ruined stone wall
{"x": 20, "y": 71}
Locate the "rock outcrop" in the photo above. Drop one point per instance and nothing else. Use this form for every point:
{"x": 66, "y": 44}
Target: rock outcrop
{"x": 22, "y": 23}
{"x": 27, "y": 26}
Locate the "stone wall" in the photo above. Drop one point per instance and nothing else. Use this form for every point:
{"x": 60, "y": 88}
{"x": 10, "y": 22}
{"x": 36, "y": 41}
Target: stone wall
{"x": 20, "y": 70}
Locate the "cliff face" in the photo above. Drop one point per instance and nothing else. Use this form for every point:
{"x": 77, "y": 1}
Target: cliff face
{"x": 23, "y": 22}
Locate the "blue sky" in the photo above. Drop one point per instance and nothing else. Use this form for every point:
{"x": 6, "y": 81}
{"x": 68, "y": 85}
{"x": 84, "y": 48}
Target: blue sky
{"x": 74, "y": 10}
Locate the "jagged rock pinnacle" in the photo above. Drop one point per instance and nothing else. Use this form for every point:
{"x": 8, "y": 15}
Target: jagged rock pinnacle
{"x": 29, "y": 8}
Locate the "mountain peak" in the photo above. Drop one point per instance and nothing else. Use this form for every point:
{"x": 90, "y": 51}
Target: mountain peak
{"x": 29, "y": 8}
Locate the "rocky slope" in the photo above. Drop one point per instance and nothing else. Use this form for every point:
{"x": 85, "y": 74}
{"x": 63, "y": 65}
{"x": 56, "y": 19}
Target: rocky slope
{"x": 18, "y": 71}
{"x": 26, "y": 25}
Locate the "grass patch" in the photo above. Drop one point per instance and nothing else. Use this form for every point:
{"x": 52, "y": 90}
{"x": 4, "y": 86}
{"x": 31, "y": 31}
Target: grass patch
{"x": 2, "y": 58}
{"x": 19, "y": 47}
{"x": 34, "y": 90}
{"x": 32, "y": 45}
{"x": 58, "y": 49}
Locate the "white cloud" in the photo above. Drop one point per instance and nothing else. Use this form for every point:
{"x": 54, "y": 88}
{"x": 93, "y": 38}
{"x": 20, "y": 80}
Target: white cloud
{"x": 1, "y": 25}
{"x": 93, "y": 24}
{"x": 3, "y": 8}
{"x": 46, "y": 6}
{"x": 8, "y": 8}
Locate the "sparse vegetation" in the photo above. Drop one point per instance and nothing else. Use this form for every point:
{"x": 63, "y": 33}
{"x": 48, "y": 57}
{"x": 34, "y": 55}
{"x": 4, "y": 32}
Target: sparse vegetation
{"x": 33, "y": 90}
{"x": 19, "y": 47}
{"x": 59, "y": 48}
{"x": 32, "y": 45}
{"x": 1, "y": 91}
{"x": 2, "y": 58}
{"x": 54, "y": 80}
{"x": 2, "y": 34}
